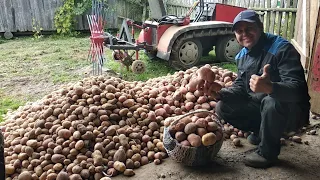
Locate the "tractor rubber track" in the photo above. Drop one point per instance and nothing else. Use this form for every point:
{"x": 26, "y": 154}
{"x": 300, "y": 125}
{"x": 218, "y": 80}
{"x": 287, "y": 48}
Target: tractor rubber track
{"x": 193, "y": 34}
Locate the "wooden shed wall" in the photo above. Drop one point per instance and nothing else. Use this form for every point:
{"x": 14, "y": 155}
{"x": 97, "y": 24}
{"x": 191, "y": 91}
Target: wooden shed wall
{"x": 305, "y": 30}
{"x": 313, "y": 55}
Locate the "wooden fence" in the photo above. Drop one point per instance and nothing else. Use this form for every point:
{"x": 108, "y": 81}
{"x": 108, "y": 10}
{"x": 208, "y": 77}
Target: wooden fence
{"x": 278, "y": 15}
{"x": 23, "y": 15}
{"x": 20, "y": 15}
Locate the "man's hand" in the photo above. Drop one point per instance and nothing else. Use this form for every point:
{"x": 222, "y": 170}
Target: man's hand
{"x": 211, "y": 89}
{"x": 261, "y": 83}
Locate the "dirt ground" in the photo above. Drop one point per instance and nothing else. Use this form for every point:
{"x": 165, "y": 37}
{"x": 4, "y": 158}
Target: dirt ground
{"x": 297, "y": 162}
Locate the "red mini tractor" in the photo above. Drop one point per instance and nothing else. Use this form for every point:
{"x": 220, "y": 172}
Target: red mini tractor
{"x": 178, "y": 40}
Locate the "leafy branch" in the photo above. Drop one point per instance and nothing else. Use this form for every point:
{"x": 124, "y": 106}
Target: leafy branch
{"x": 65, "y": 15}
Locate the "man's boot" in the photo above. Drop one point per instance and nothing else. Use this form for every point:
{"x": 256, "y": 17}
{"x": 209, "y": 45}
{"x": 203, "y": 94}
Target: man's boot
{"x": 258, "y": 161}
{"x": 254, "y": 139}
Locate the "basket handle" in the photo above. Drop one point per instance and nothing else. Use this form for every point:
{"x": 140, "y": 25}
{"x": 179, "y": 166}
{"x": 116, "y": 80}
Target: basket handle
{"x": 193, "y": 112}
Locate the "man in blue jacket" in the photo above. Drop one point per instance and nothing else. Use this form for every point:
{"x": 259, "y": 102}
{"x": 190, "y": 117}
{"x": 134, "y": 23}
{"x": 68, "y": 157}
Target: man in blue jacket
{"x": 270, "y": 95}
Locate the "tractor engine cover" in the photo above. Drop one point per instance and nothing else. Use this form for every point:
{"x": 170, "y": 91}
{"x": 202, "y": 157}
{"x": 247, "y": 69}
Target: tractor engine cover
{"x": 145, "y": 36}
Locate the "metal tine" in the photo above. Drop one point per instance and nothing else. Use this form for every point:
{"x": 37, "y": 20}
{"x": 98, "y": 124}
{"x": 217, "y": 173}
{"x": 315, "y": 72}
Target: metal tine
{"x": 89, "y": 22}
{"x": 96, "y": 23}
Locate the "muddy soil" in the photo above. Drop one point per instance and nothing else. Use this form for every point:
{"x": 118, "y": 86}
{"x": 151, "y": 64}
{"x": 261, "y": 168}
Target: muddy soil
{"x": 296, "y": 162}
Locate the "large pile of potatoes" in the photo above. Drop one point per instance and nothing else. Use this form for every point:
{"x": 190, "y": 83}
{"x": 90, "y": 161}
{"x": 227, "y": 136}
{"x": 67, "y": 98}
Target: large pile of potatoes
{"x": 99, "y": 126}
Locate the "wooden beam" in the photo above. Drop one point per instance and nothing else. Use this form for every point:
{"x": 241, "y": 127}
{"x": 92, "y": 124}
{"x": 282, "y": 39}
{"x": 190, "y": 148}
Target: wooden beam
{"x": 301, "y": 52}
{"x": 297, "y": 46}
{"x": 275, "y": 9}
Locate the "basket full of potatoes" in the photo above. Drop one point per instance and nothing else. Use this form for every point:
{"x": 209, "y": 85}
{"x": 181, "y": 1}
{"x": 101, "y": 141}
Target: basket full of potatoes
{"x": 193, "y": 139}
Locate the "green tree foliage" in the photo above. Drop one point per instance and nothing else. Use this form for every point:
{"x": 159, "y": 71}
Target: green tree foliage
{"x": 64, "y": 17}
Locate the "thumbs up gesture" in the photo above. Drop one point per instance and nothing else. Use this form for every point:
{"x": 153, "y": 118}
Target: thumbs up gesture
{"x": 261, "y": 84}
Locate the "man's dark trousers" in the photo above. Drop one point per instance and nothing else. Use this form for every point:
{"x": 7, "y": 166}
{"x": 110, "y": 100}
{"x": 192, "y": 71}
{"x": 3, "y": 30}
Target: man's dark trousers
{"x": 268, "y": 118}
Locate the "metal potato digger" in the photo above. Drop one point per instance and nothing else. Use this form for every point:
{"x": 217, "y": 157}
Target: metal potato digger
{"x": 178, "y": 40}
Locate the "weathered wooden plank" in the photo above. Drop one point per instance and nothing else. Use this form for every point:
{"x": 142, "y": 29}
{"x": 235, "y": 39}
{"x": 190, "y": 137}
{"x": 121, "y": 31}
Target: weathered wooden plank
{"x": 86, "y": 24}
{"x": 9, "y": 16}
{"x": 111, "y": 16}
{"x": 3, "y": 21}
{"x": 286, "y": 20}
{"x": 293, "y": 19}
{"x": 125, "y": 11}
{"x": 22, "y": 18}
{"x": 48, "y": 20}
{"x": 256, "y": 3}
{"x": 79, "y": 23}
{"x": 313, "y": 70}
{"x": 275, "y": 9}
{"x": 252, "y": 3}
{"x": 37, "y": 13}
{"x": 16, "y": 16}
{"x": 27, "y": 14}
{"x": 267, "y": 27}
{"x": 279, "y": 19}
{"x": 314, "y": 12}
{"x": 237, "y": 3}
{"x": 273, "y": 17}
{"x": 243, "y": 3}
{"x": 307, "y": 33}
{"x": 262, "y": 3}
{"x": 53, "y": 6}
{"x": 297, "y": 21}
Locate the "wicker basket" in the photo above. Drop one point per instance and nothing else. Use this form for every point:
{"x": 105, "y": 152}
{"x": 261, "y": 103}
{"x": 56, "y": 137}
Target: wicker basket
{"x": 190, "y": 156}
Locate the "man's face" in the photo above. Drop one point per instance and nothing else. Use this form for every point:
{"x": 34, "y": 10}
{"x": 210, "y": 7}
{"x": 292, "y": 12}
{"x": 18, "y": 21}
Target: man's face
{"x": 247, "y": 34}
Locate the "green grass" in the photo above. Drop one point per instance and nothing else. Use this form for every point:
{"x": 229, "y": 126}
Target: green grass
{"x": 8, "y": 103}
{"x": 210, "y": 58}
{"x": 30, "y": 69}
{"x": 154, "y": 68}
{"x": 231, "y": 67}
